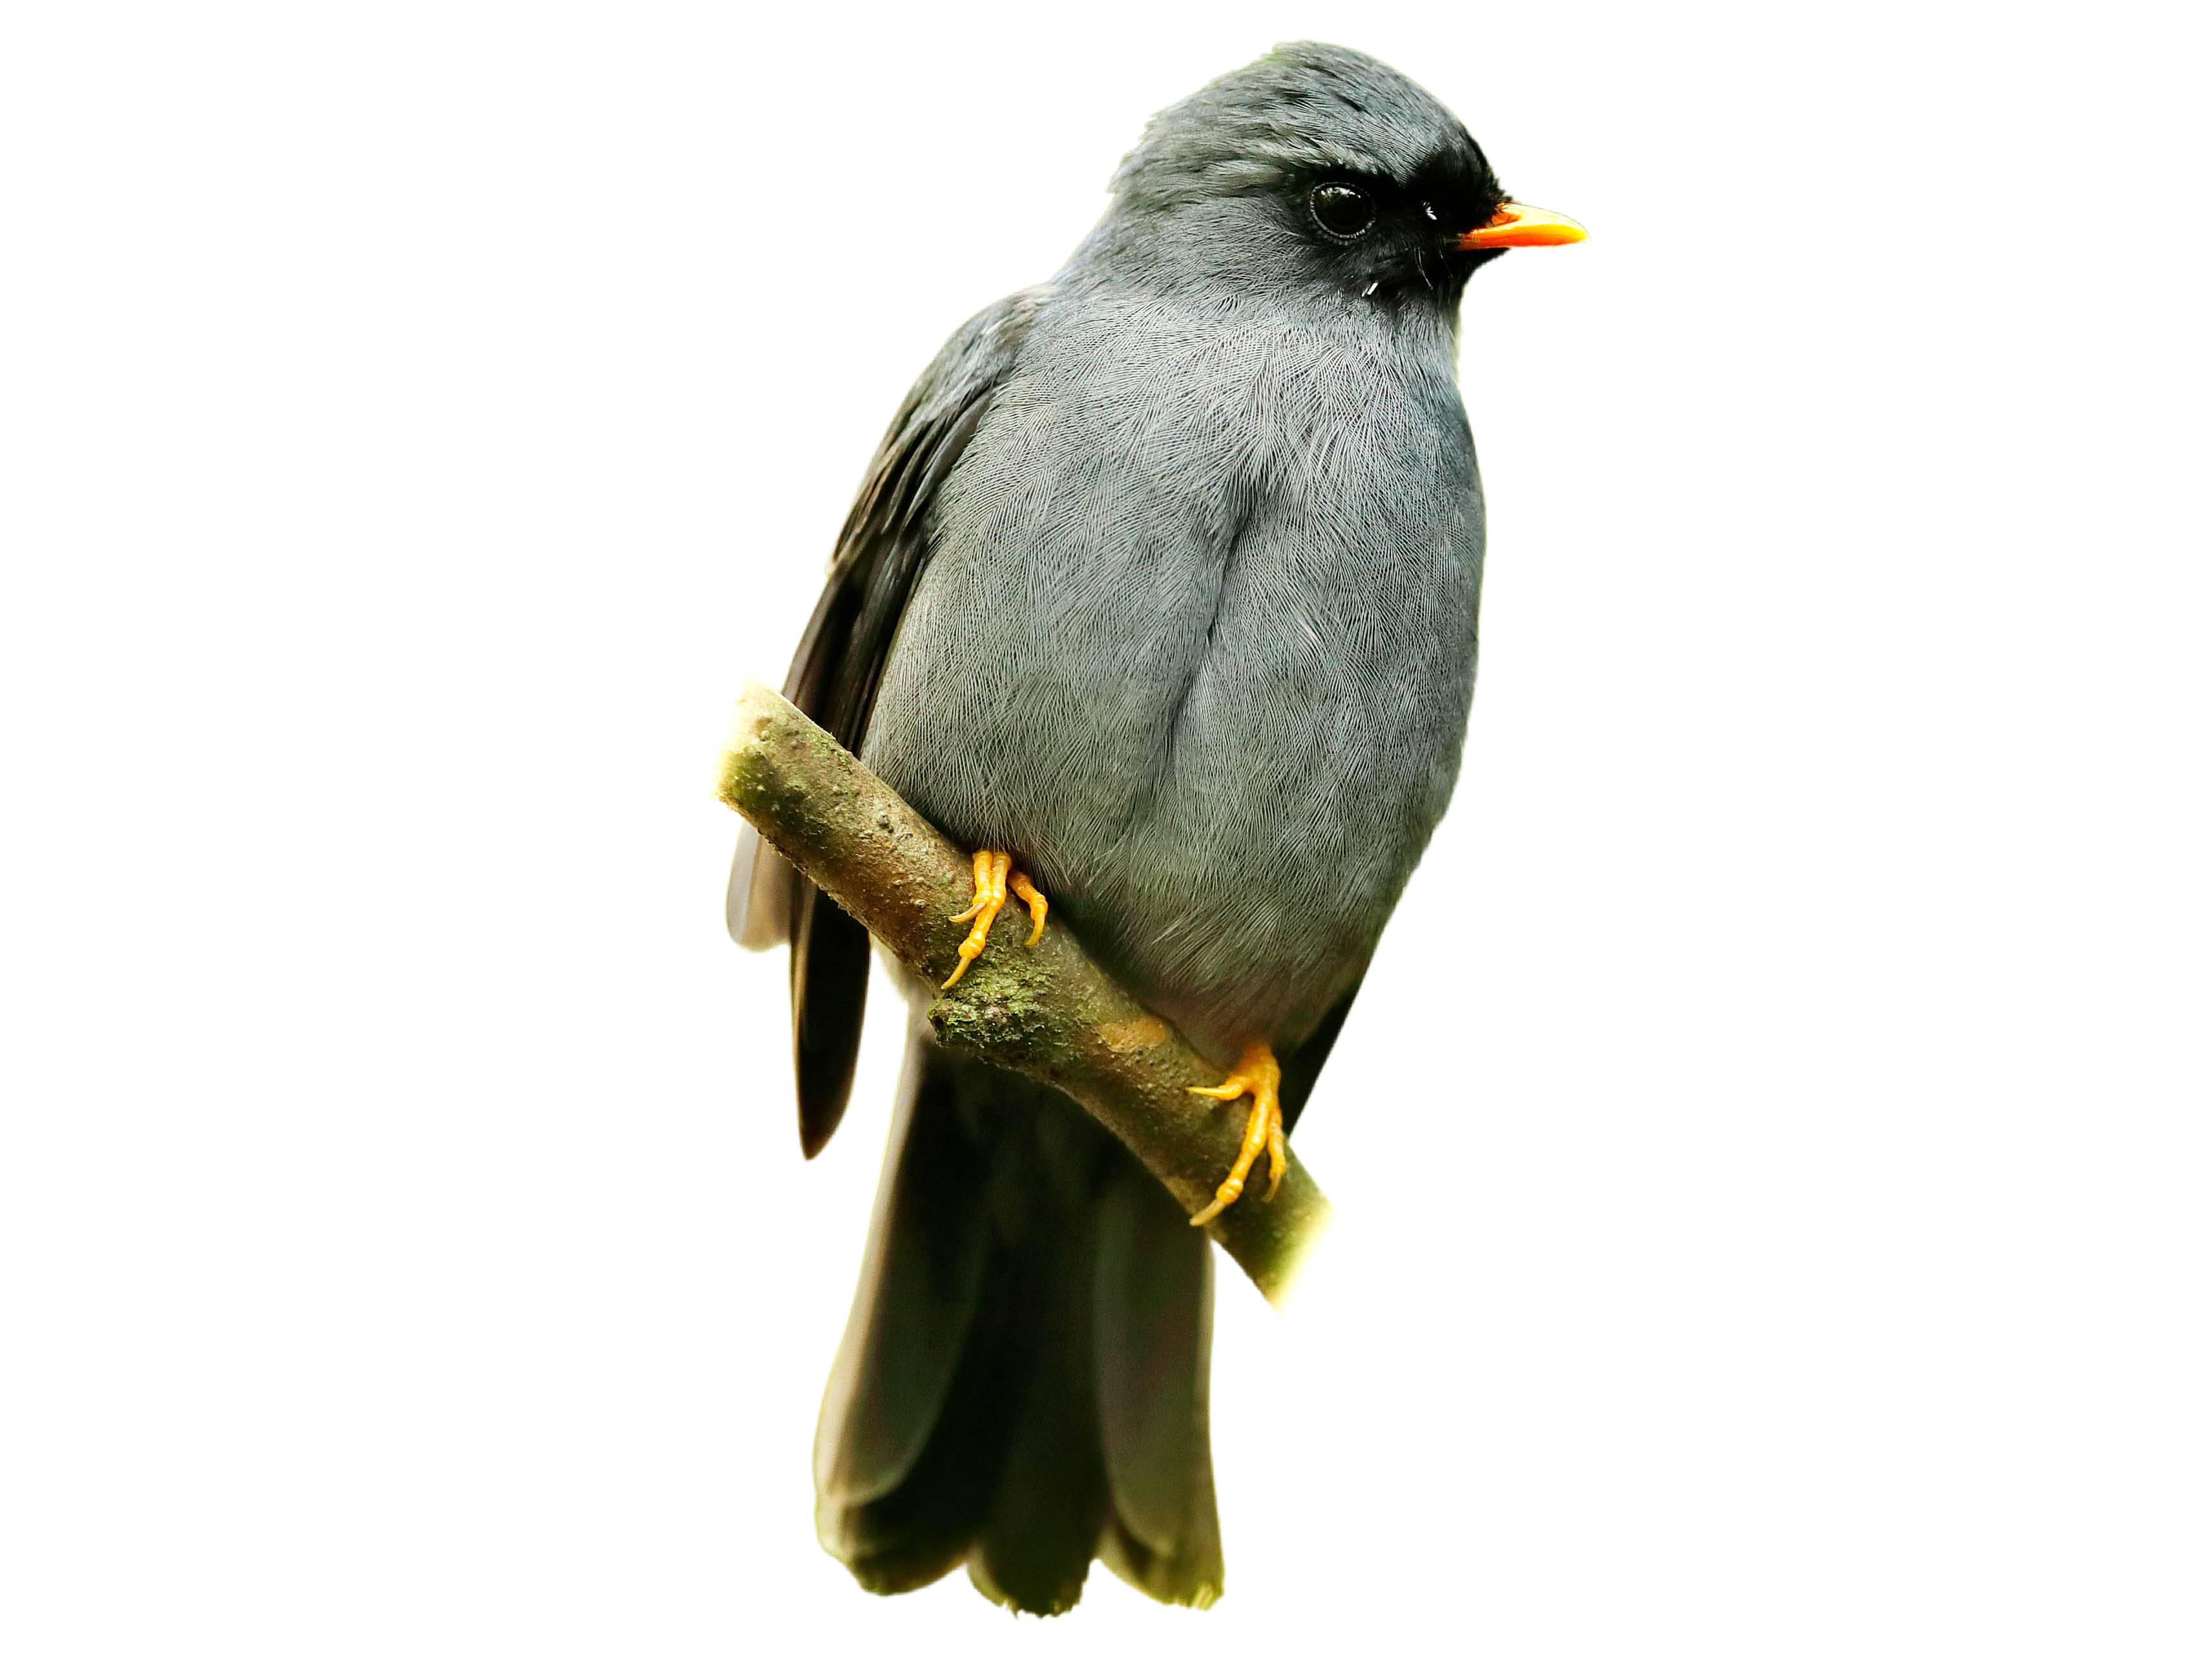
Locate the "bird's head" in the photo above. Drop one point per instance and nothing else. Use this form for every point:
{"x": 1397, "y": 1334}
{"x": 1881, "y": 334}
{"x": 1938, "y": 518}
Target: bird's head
{"x": 1319, "y": 163}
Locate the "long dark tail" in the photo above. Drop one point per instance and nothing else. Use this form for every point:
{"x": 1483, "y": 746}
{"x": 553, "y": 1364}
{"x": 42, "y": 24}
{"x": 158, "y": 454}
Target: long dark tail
{"x": 1022, "y": 1383}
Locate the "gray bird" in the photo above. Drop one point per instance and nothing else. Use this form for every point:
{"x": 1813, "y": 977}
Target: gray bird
{"x": 1161, "y": 594}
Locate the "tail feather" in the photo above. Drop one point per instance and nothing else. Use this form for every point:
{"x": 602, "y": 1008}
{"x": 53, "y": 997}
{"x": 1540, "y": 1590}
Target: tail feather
{"x": 1035, "y": 1550}
{"x": 921, "y": 1528}
{"x": 1153, "y": 1308}
{"x": 1022, "y": 1383}
{"x": 920, "y": 1291}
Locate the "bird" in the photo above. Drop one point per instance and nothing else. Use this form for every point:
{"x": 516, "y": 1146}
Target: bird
{"x": 1160, "y": 596}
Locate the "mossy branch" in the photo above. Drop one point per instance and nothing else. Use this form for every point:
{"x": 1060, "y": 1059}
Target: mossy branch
{"x": 1050, "y": 1014}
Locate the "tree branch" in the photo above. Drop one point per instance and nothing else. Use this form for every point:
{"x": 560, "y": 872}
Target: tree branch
{"x": 1050, "y": 1014}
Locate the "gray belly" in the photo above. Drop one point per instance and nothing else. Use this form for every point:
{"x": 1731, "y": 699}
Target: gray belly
{"x": 1214, "y": 705}
{"x": 1310, "y": 762}
{"x": 1231, "y": 851}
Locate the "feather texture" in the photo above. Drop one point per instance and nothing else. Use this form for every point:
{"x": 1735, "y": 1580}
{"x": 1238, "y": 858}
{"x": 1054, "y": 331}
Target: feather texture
{"x": 1165, "y": 579}
{"x": 1022, "y": 1385}
{"x": 833, "y": 678}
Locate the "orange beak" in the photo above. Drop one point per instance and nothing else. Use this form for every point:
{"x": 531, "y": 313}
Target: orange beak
{"x": 1519, "y": 225}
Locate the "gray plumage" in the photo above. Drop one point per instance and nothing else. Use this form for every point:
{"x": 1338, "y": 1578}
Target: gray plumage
{"x": 1165, "y": 581}
{"x": 1198, "y": 634}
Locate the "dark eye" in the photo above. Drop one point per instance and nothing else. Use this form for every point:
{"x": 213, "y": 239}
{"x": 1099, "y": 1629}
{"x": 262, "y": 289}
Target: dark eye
{"x": 1342, "y": 211}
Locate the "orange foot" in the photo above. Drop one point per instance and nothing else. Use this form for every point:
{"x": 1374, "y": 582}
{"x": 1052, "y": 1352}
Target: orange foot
{"x": 994, "y": 873}
{"x": 1258, "y": 1076}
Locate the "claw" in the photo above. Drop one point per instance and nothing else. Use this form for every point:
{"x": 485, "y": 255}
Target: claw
{"x": 1259, "y": 1076}
{"x": 993, "y": 872}
{"x": 1026, "y": 892}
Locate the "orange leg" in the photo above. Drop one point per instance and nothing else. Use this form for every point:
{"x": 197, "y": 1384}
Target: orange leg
{"x": 1258, "y": 1076}
{"x": 994, "y": 873}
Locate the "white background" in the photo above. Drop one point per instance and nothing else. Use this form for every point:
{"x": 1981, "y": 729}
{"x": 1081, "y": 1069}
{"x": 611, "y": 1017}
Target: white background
{"x": 1771, "y": 1149}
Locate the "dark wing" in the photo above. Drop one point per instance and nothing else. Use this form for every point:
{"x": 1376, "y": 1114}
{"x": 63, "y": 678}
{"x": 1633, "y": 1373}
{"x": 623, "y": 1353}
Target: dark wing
{"x": 834, "y": 677}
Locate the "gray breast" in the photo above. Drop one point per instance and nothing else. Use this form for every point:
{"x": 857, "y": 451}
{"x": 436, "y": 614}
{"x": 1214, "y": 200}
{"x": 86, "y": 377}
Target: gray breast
{"x": 1196, "y": 642}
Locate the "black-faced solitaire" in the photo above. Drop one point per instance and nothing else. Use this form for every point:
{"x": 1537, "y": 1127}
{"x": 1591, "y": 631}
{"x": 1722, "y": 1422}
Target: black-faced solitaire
{"x": 1161, "y": 595}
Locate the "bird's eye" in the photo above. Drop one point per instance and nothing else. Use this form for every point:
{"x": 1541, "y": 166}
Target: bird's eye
{"x": 1342, "y": 211}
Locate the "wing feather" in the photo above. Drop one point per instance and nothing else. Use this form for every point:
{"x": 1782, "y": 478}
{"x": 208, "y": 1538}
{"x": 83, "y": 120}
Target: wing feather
{"x": 834, "y": 677}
